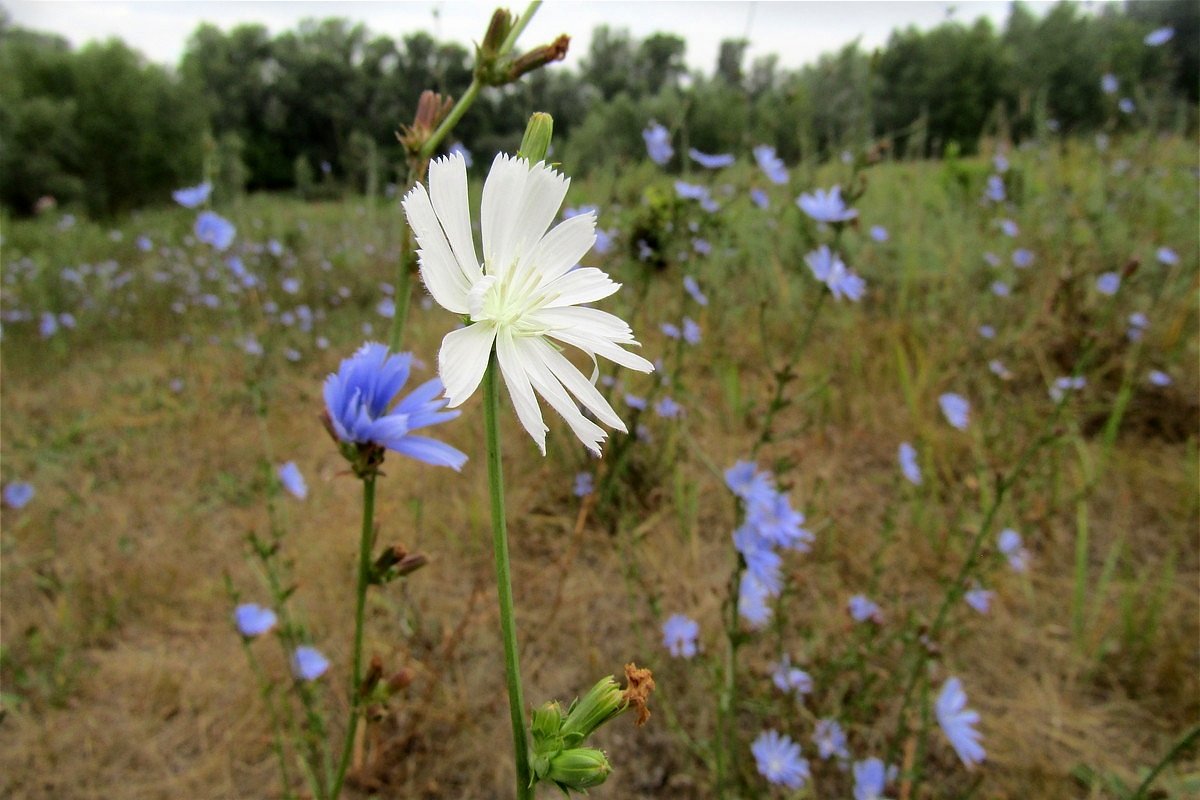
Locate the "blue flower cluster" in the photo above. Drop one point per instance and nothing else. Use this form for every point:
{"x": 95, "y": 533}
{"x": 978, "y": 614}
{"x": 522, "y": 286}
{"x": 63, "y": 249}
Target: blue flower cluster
{"x": 769, "y": 524}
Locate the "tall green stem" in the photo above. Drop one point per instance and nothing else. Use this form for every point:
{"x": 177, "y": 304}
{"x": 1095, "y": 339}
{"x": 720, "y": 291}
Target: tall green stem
{"x": 364, "y": 574}
{"x": 508, "y": 622}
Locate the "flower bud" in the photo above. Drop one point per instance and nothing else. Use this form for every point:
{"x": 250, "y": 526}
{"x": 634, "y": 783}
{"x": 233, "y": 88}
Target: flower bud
{"x": 547, "y": 720}
{"x": 536, "y": 141}
{"x": 539, "y": 57}
{"x": 598, "y": 706}
{"x": 579, "y": 769}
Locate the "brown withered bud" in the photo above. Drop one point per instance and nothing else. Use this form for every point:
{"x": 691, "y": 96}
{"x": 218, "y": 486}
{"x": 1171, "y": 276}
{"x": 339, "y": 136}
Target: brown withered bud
{"x": 637, "y": 693}
{"x": 400, "y": 681}
{"x": 539, "y": 57}
{"x": 1131, "y": 266}
{"x": 497, "y": 32}
{"x": 373, "y": 676}
{"x": 396, "y": 561}
{"x": 432, "y": 108}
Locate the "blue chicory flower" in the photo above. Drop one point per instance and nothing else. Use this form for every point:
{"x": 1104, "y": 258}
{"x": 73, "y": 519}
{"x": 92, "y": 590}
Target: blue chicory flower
{"x": 879, "y": 233}
{"x": 958, "y": 723}
{"x": 308, "y": 663}
{"x": 357, "y": 398}
{"x": 584, "y": 484}
{"x": 1009, "y": 228}
{"x": 253, "y": 620}
{"x": 830, "y": 739}
{"x": 213, "y": 229}
{"x": 1159, "y": 378}
{"x": 1108, "y": 283}
{"x": 461, "y": 149}
{"x": 863, "y": 609}
{"x": 829, "y": 268}
{"x": 826, "y": 206}
{"x": 760, "y": 198}
{"x": 693, "y": 289}
{"x": 779, "y": 761}
{"x": 292, "y": 480}
{"x": 710, "y": 161}
{"x": 679, "y": 636}
{"x": 908, "y": 463}
{"x": 192, "y": 196}
{"x": 658, "y": 143}
{"x": 979, "y": 599}
{"x": 753, "y": 597}
{"x": 1126, "y": 105}
{"x": 1010, "y": 546}
{"x": 18, "y": 494}
{"x": 1109, "y": 83}
{"x": 1167, "y": 256}
{"x": 956, "y": 409}
{"x": 668, "y": 408}
{"x": 995, "y": 189}
{"x": 870, "y": 779}
{"x": 1159, "y": 36}
{"x": 1022, "y": 258}
{"x": 691, "y": 331}
{"x": 987, "y": 331}
{"x": 791, "y": 679}
{"x": 691, "y": 191}
{"x": 771, "y": 164}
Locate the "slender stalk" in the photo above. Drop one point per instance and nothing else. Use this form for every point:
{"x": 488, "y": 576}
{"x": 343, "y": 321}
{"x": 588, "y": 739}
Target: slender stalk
{"x": 508, "y": 622}
{"x": 364, "y": 574}
{"x": 1187, "y": 739}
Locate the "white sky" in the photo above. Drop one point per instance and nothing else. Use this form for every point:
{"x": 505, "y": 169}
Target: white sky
{"x": 797, "y": 31}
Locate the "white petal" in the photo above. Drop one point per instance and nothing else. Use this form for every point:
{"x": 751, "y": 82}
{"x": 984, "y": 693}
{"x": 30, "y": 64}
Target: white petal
{"x": 548, "y": 387}
{"x": 574, "y": 382}
{"x": 439, "y": 269}
{"x": 517, "y": 381}
{"x": 562, "y": 247}
{"x": 583, "y": 285}
{"x": 541, "y": 199}
{"x": 586, "y": 321}
{"x": 595, "y": 346}
{"x": 498, "y": 212}
{"x": 463, "y": 359}
{"x": 448, "y": 191}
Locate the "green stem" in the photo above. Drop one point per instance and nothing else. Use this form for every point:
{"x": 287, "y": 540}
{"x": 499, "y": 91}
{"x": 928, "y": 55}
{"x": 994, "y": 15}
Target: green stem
{"x": 1187, "y": 739}
{"x": 364, "y": 574}
{"x": 403, "y": 291}
{"x": 508, "y": 622}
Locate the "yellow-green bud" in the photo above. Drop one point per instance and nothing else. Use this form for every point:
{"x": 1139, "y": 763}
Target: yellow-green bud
{"x": 536, "y": 141}
{"x": 547, "y": 719}
{"x": 579, "y": 769}
{"x": 604, "y": 701}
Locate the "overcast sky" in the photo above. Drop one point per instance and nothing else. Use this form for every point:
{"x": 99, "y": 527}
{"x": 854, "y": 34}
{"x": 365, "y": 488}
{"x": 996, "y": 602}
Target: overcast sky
{"x": 797, "y": 31}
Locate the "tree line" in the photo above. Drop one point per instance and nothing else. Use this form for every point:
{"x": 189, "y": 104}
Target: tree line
{"x": 315, "y": 109}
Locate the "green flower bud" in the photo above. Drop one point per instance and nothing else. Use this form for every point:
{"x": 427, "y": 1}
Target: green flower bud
{"x": 537, "y": 137}
{"x": 547, "y": 720}
{"x": 579, "y": 769}
{"x": 598, "y": 706}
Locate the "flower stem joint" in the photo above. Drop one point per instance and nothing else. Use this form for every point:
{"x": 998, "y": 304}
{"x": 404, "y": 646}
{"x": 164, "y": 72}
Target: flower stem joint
{"x": 558, "y": 754}
{"x": 495, "y": 67}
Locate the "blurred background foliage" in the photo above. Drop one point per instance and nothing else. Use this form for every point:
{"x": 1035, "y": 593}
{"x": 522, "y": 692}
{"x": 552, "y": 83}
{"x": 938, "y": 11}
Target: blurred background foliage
{"x": 315, "y": 109}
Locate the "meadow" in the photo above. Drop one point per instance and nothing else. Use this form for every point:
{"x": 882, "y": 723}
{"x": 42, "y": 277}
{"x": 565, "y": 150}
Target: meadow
{"x": 151, "y": 391}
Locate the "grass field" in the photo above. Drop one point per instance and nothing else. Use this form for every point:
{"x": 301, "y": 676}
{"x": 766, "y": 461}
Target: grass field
{"x": 149, "y": 430}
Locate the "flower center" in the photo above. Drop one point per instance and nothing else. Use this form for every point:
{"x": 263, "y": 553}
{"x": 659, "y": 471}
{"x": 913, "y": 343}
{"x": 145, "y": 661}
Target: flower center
{"x": 507, "y": 301}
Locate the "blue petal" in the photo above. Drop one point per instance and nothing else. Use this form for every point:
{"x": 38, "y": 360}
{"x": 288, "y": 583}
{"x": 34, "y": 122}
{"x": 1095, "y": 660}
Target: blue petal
{"x": 431, "y": 451}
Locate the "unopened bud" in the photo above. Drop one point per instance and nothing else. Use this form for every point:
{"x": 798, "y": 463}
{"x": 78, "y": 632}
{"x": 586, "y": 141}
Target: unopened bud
{"x": 579, "y": 769}
{"x": 603, "y": 702}
{"x": 547, "y": 720}
{"x": 539, "y": 57}
{"x": 400, "y": 680}
{"x": 498, "y": 30}
{"x": 536, "y": 141}
{"x": 432, "y": 108}
{"x": 371, "y": 679}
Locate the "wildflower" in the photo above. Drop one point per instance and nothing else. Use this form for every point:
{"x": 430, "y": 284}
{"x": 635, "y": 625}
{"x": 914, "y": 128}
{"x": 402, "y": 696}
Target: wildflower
{"x": 956, "y": 409}
{"x": 584, "y": 484}
{"x": 460, "y": 149}
{"x": 308, "y": 664}
{"x": 275, "y": 248}
{"x": 1126, "y": 105}
{"x": 1167, "y": 256}
{"x": 292, "y": 480}
{"x": 1010, "y": 546}
{"x": 693, "y": 289}
{"x": 691, "y": 331}
{"x": 958, "y": 723}
{"x": 791, "y": 679}
{"x": 291, "y": 354}
{"x": 702, "y": 246}
{"x": 18, "y": 494}
{"x": 144, "y": 244}
{"x": 777, "y": 522}
{"x": 862, "y": 609}
{"x": 386, "y": 308}
{"x": 1022, "y": 258}
{"x": 524, "y": 295}
{"x": 668, "y": 408}
{"x": 995, "y": 189}
{"x": 215, "y": 230}
{"x": 1064, "y": 384}
{"x": 192, "y": 196}
{"x": 690, "y": 191}
{"x": 357, "y": 399}
{"x": 760, "y": 199}
{"x": 710, "y": 161}
{"x": 997, "y": 368}
{"x": 1109, "y": 83}
{"x": 635, "y": 402}
{"x": 604, "y": 241}
{"x": 826, "y": 206}
{"x": 1159, "y": 378}
{"x": 252, "y": 346}
{"x": 830, "y": 739}
{"x": 253, "y": 620}
{"x": 879, "y": 233}
{"x": 575, "y": 212}
{"x": 752, "y": 600}
{"x": 1001, "y": 289}
{"x": 47, "y": 325}
{"x": 779, "y": 761}
{"x": 1159, "y": 36}
{"x": 1009, "y": 228}
{"x": 987, "y": 331}
{"x": 771, "y": 164}
{"x": 870, "y": 779}
{"x": 1000, "y": 162}
{"x": 979, "y": 599}
{"x": 761, "y": 561}
{"x": 745, "y": 481}
{"x": 992, "y": 259}
{"x": 1137, "y": 326}
{"x": 290, "y": 285}
{"x": 828, "y": 268}
{"x": 908, "y": 463}
{"x": 679, "y": 636}
{"x": 658, "y": 143}
{"x": 1108, "y": 283}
